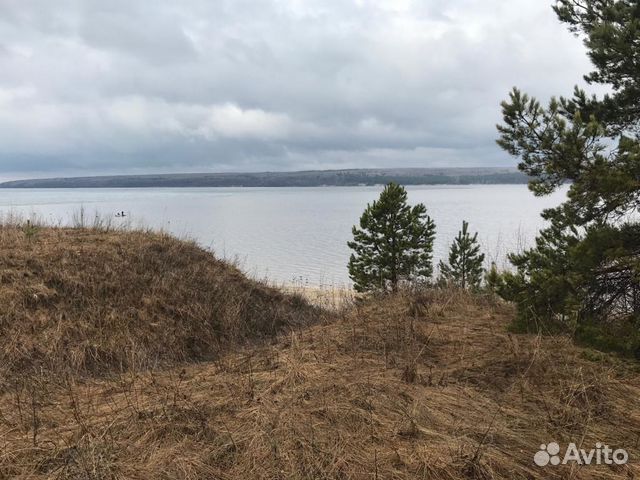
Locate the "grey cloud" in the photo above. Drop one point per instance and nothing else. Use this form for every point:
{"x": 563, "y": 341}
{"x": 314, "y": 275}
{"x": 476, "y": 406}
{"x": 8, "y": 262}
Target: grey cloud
{"x": 119, "y": 86}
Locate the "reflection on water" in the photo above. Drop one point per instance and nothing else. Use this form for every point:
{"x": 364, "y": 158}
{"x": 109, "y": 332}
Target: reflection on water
{"x": 293, "y": 234}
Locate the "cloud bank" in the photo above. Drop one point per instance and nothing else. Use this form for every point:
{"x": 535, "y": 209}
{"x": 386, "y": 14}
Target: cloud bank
{"x": 88, "y": 86}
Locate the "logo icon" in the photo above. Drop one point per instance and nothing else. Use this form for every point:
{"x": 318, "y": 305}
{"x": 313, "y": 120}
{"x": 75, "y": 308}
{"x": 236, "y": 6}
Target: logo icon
{"x": 548, "y": 454}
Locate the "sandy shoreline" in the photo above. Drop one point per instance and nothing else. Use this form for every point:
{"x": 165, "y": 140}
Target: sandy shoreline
{"x": 329, "y": 296}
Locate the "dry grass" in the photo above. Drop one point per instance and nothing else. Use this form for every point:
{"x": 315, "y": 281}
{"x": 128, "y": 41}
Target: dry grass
{"x": 428, "y": 385}
{"x": 95, "y": 301}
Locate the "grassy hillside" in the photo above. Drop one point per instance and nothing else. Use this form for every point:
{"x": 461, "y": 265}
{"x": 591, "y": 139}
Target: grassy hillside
{"x": 429, "y": 385}
{"x": 89, "y": 301}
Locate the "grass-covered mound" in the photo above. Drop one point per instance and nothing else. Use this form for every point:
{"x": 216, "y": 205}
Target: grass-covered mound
{"x": 423, "y": 386}
{"x": 89, "y": 301}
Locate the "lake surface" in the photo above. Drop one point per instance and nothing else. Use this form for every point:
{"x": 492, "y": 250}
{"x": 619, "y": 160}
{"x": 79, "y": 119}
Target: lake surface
{"x": 293, "y": 235}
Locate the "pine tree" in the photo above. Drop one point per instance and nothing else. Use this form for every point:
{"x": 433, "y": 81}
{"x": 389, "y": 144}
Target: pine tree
{"x": 394, "y": 243}
{"x": 493, "y": 279}
{"x": 586, "y": 266}
{"x": 465, "y": 261}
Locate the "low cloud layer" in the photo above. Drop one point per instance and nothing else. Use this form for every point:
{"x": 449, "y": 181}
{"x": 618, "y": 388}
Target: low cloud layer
{"x": 88, "y": 86}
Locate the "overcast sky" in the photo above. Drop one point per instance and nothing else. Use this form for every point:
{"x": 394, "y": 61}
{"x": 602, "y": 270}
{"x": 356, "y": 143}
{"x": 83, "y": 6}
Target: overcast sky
{"x": 132, "y": 86}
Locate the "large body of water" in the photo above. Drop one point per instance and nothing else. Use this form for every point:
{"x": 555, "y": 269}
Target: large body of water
{"x": 293, "y": 235}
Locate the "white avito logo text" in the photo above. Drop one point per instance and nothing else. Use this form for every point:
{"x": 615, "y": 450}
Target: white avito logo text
{"x": 549, "y": 454}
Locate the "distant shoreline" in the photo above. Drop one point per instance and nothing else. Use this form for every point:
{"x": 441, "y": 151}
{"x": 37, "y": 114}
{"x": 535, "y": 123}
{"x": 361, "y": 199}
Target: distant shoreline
{"x": 311, "y": 178}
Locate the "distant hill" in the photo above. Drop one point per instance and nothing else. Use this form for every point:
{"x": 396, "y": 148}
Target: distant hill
{"x": 312, "y": 178}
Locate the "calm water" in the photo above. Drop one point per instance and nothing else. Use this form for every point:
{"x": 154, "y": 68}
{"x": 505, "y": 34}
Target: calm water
{"x": 293, "y": 234}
